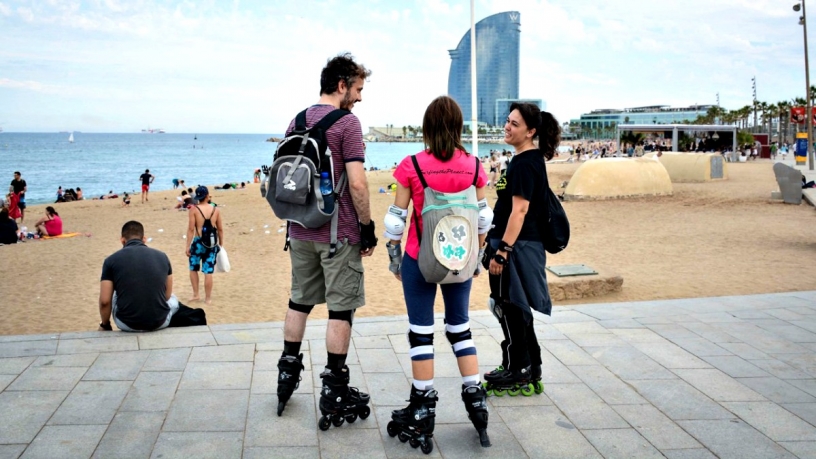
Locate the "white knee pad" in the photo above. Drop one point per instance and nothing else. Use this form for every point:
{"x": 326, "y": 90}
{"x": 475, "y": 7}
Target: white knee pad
{"x": 485, "y": 217}
{"x": 395, "y": 222}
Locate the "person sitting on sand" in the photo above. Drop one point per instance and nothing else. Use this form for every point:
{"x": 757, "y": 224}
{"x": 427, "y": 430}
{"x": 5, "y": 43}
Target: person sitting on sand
{"x": 137, "y": 287}
{"x": 185, "y": 201}
{"x": 126, "y": 200}
{"x": 79, "y": 194}
{"x": 8, "y": 227}
{"x": 51, "y": 224}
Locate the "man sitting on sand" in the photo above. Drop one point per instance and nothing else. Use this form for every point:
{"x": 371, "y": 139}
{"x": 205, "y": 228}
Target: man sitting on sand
{"x": 137, "y": 286}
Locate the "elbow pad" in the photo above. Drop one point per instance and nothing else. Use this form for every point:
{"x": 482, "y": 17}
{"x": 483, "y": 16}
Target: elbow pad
{"x": 485, "y": 217}
{"x": 395, "y": 222}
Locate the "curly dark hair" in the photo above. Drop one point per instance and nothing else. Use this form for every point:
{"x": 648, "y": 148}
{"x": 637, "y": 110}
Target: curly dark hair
{"x": 546, "y": 127}
{"x": 341, "y": 67}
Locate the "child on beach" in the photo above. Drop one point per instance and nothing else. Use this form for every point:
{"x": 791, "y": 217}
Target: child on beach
{"x": 126, "y": 199}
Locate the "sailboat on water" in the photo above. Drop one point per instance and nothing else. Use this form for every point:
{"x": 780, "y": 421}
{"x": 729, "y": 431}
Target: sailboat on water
{"x": 71, "y": 138}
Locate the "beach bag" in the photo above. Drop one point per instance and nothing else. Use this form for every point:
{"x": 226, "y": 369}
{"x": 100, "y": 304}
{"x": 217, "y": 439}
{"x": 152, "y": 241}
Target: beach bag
{"x": 448, "y": 239}
{"x": 209, "y": 235}
{"x": 292, "y": 183}
{"x": 557, "y": 231}
{"x": 222, "y": 263}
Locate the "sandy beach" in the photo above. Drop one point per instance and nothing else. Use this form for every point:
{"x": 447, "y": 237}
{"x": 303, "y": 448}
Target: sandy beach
{"x": 708, "y": 239}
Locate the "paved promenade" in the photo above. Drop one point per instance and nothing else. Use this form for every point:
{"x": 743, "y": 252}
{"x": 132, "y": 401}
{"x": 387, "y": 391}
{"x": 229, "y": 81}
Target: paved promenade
{"x": 728, "y": 377}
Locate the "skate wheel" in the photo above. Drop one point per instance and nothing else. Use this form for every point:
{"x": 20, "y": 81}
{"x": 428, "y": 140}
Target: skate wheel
{"x": 486, "y": 385}
{"x": 513, "y": 392}
{"x": 539, "y": 387}
{"x": 527, "y": 390}
{"x": 414, "y": 443}
{"x": 350, "y": 418}
{"x": 392, "y": 429}
{"x": 281, "y": 406}
{"x": 427, "y": 447}
{"x": 338, "y": 421}
{"x": 499, "y": 392}
{"x": 403, "y": 437}
{"x": 365, "y": 412}
{"x": 324, "y": 423}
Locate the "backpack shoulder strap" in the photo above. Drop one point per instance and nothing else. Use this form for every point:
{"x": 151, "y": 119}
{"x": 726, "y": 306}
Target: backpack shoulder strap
{"x": 419, "y": 172}
{"x": 300, "y": 121}
{"x": 327, "y": 121}
{"x": 476, "y": 173}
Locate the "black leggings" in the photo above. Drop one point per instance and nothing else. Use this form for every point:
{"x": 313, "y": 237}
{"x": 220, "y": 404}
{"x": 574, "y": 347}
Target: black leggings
{"x": 520, "y": 347}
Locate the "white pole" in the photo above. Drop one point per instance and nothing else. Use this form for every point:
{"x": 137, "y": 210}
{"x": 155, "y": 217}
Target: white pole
{"x": 474, "y": 119}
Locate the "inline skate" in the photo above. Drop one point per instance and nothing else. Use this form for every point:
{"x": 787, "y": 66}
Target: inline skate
{"x": 338, "y": 401}
{"x": 501, "y": 381}
{"x": 475, "y": 400}
{"x": 535, "y": 372}
{"x": 289, "y": 368}
{"x": 415, "y": 423}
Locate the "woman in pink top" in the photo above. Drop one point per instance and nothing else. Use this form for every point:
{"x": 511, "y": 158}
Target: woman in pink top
{"x": 51, "y": 224}
{"x": 448, "y": 168}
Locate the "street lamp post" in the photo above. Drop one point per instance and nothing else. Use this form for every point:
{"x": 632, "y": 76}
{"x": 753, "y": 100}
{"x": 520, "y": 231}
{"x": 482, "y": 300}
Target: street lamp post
{"x": 809, "y": 112}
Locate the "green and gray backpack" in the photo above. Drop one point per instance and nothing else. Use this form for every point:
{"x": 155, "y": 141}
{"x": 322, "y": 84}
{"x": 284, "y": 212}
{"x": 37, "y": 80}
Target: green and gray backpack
{"x": 448, "y": 239}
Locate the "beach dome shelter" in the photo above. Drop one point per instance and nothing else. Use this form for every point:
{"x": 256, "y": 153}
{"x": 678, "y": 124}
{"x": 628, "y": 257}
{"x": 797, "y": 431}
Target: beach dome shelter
{"x": 612, "y": 178}
{"x": 693, "y": 167}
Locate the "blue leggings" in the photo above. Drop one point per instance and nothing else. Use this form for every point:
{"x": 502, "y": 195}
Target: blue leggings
{"x": 419, "y": 300}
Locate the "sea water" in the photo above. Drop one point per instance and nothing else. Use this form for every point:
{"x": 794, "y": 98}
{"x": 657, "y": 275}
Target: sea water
{"x": 99, "y": 163}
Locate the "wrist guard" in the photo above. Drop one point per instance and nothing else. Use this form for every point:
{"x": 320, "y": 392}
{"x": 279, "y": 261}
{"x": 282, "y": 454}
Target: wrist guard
{"x": 505, "y": 247}
{"x": 395, "y": 256}
{"x": 500, "y": 259}
{"x": 479, "y": 267}
{"x": 106, "y": 326}
{"x": 367, "y": 238}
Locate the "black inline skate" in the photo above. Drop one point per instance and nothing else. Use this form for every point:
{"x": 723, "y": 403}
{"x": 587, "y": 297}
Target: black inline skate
{"x": 500, "y": 381}
{"x": 338, "y": 401}
{"x": 475, "y": 400}
{"x": 415, "y": 423}
{"x": 535, "y": 372}
{"x": 289, "y": 368}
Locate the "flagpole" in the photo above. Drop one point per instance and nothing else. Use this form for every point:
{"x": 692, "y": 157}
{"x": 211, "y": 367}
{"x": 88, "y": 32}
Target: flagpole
{"x": 474, "y": 122}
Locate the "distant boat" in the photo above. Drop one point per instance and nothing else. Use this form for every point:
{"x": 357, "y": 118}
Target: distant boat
{"x": 195, "y": 136}
{"x": 71, "y": 138}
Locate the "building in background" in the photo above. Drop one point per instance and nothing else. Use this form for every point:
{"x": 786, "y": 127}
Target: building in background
{"x": 497, "y": 67}
{"x": 601, "y": 120}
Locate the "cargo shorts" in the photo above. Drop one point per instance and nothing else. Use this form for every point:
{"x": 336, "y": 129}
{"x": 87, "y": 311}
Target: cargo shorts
{"x": 317, "y": 279}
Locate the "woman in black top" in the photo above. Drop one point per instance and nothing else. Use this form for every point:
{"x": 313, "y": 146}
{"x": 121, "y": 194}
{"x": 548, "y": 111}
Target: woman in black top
{"x": 518, "y": 284}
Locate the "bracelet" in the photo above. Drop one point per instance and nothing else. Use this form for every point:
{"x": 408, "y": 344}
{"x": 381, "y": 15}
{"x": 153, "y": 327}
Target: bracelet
{"x": 500, "y": 259}
{"x": 505, "y": 247}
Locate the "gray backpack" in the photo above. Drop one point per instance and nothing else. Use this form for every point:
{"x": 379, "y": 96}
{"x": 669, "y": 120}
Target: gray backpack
{"x": 449, "y": 239}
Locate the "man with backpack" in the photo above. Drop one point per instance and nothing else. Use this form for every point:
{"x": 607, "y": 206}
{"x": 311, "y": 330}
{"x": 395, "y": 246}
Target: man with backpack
{"x": 205, "y": 234}
{"x": 318, "y": 184}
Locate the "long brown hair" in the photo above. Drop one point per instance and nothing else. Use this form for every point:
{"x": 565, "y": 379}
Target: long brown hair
{"x": 546, "y": 127}
{"x": 442, "y": 128}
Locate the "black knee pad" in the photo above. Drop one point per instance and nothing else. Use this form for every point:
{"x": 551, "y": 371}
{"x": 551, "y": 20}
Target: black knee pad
{"x": 348, "y": 316}
{"x": 461, "y": 339}
{"x": 421, "y": 344}
{"x": 304, "y": 308}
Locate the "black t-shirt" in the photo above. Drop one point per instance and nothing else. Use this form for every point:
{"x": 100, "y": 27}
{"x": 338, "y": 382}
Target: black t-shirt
{"x": 139, "y": 276}
{"x": 145, "y": 178}
{"x": 18, "y": 185}
{"x": 526, "y": 176}
{"x": 8, "y": 231}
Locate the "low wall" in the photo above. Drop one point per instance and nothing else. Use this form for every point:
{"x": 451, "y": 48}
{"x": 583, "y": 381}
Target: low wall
{"x": 611, "y": 178}
{"x": 577, "y": 287}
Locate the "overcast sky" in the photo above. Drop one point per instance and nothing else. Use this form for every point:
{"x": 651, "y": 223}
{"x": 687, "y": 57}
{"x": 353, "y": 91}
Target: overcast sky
{"x": 249, "y": 66}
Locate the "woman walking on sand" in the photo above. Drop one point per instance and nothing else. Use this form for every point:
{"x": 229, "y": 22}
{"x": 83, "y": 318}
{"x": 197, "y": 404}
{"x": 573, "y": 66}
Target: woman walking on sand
{"x": 518, "y": 284}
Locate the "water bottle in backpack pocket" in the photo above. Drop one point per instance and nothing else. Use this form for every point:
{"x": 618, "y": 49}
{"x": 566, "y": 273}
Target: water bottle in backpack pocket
{"x": 327, "y": 191}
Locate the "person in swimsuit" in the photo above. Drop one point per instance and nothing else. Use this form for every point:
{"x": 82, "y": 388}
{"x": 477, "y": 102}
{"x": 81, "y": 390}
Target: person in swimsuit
{"x": 202, "y": 253}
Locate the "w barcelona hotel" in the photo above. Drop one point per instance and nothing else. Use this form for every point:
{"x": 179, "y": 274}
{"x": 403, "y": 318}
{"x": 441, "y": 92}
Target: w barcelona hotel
{"x": 497, "y": 69}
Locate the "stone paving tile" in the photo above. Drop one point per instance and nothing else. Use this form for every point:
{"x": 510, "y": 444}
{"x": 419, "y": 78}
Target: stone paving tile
{"x": 166, "y": 341}
{"x": 670, "y": 355}
{"x": 791, "y": 333}
{"x": 772, "y": 420}
{"x": 806, "y": 411}
{"x": 11, "y": 451}
{"x": 553, "y": 371}
{"x": 567, "y": 352}
{"x": 640, "y": 335}
{"x": 700, "y": 347}
{"x": 199, "y": 445}
{"x": 727, "y": 438}
{"x": 65, "y": 442}
{"x": 208, "y": 411}
{"x": 152, "y": 391}
{"x": 47, "y": 378}
{"x": 583, "y": 407}
{"x": 131, "y": 435}
{"x": 379, "y": 360}
{"x": 804, "y": 362}
{"x": 784, "y": 314}
{"x": 653, "y": 425}
{"x": 217, "y": 375}
{"x": 399, "y": 343}
{"x": 597, "y": 339}
{"x": 780, "y": 369}
{"x": 679, "y": 400}
{"x": 719, "y": 386}
{"x": 24, "y": 413}
{"x": 278, "y": 346}
{"x": 462, "y": 441}
{"x": 15, "y": 365}
{"x": 16, "y": 338}
{"x": 387, "y": 389}
{"x": 621, "y": 443}
{"x": 167, "y": 359}
{"x": 229, "y": 353}
{"x": 84, "y": 334}
{"x": 28, "y": 348}
{"x": 620, "y": 323}
{"x": 629, "y": 363}
{"x": 777, "y": 390}
{"x": 696, "y": 453}
{"x": 289, "y": 452}
{"x": 565, "y": 317}
{"x": 296, "y": 427}
{"x": 604, "y": 383}
{"x": 119, "y": 366}
{"x": 673, "y": 331}
{"x": 68, "y": 360}
{"x": 807, "y": 385}
{"x": 372, "y": 342}
{"x": 364, "y": 443}
{"x": 563, "y": 440}
{"x": 5, "y": 380}
{"x": 711, "y": 333}
{"x": 246, "y": 326}
{"x": 110, "y": 344}
{"x": 746, "y": 351}
{"x": 715, "y": 317}
{"x": 543, "y": 331}
{"x": 91, "y": 402}
{"x": 735, "y": 367}
{"x": 260, "y": 335}
{"x": 380, "y": 328}
{"x": 802, "y": 449}
{"x": 580, "y": 328}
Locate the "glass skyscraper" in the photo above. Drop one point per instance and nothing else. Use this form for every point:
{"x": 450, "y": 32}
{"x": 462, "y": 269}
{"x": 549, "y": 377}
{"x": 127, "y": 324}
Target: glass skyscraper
{"x": 497, "y": 66}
